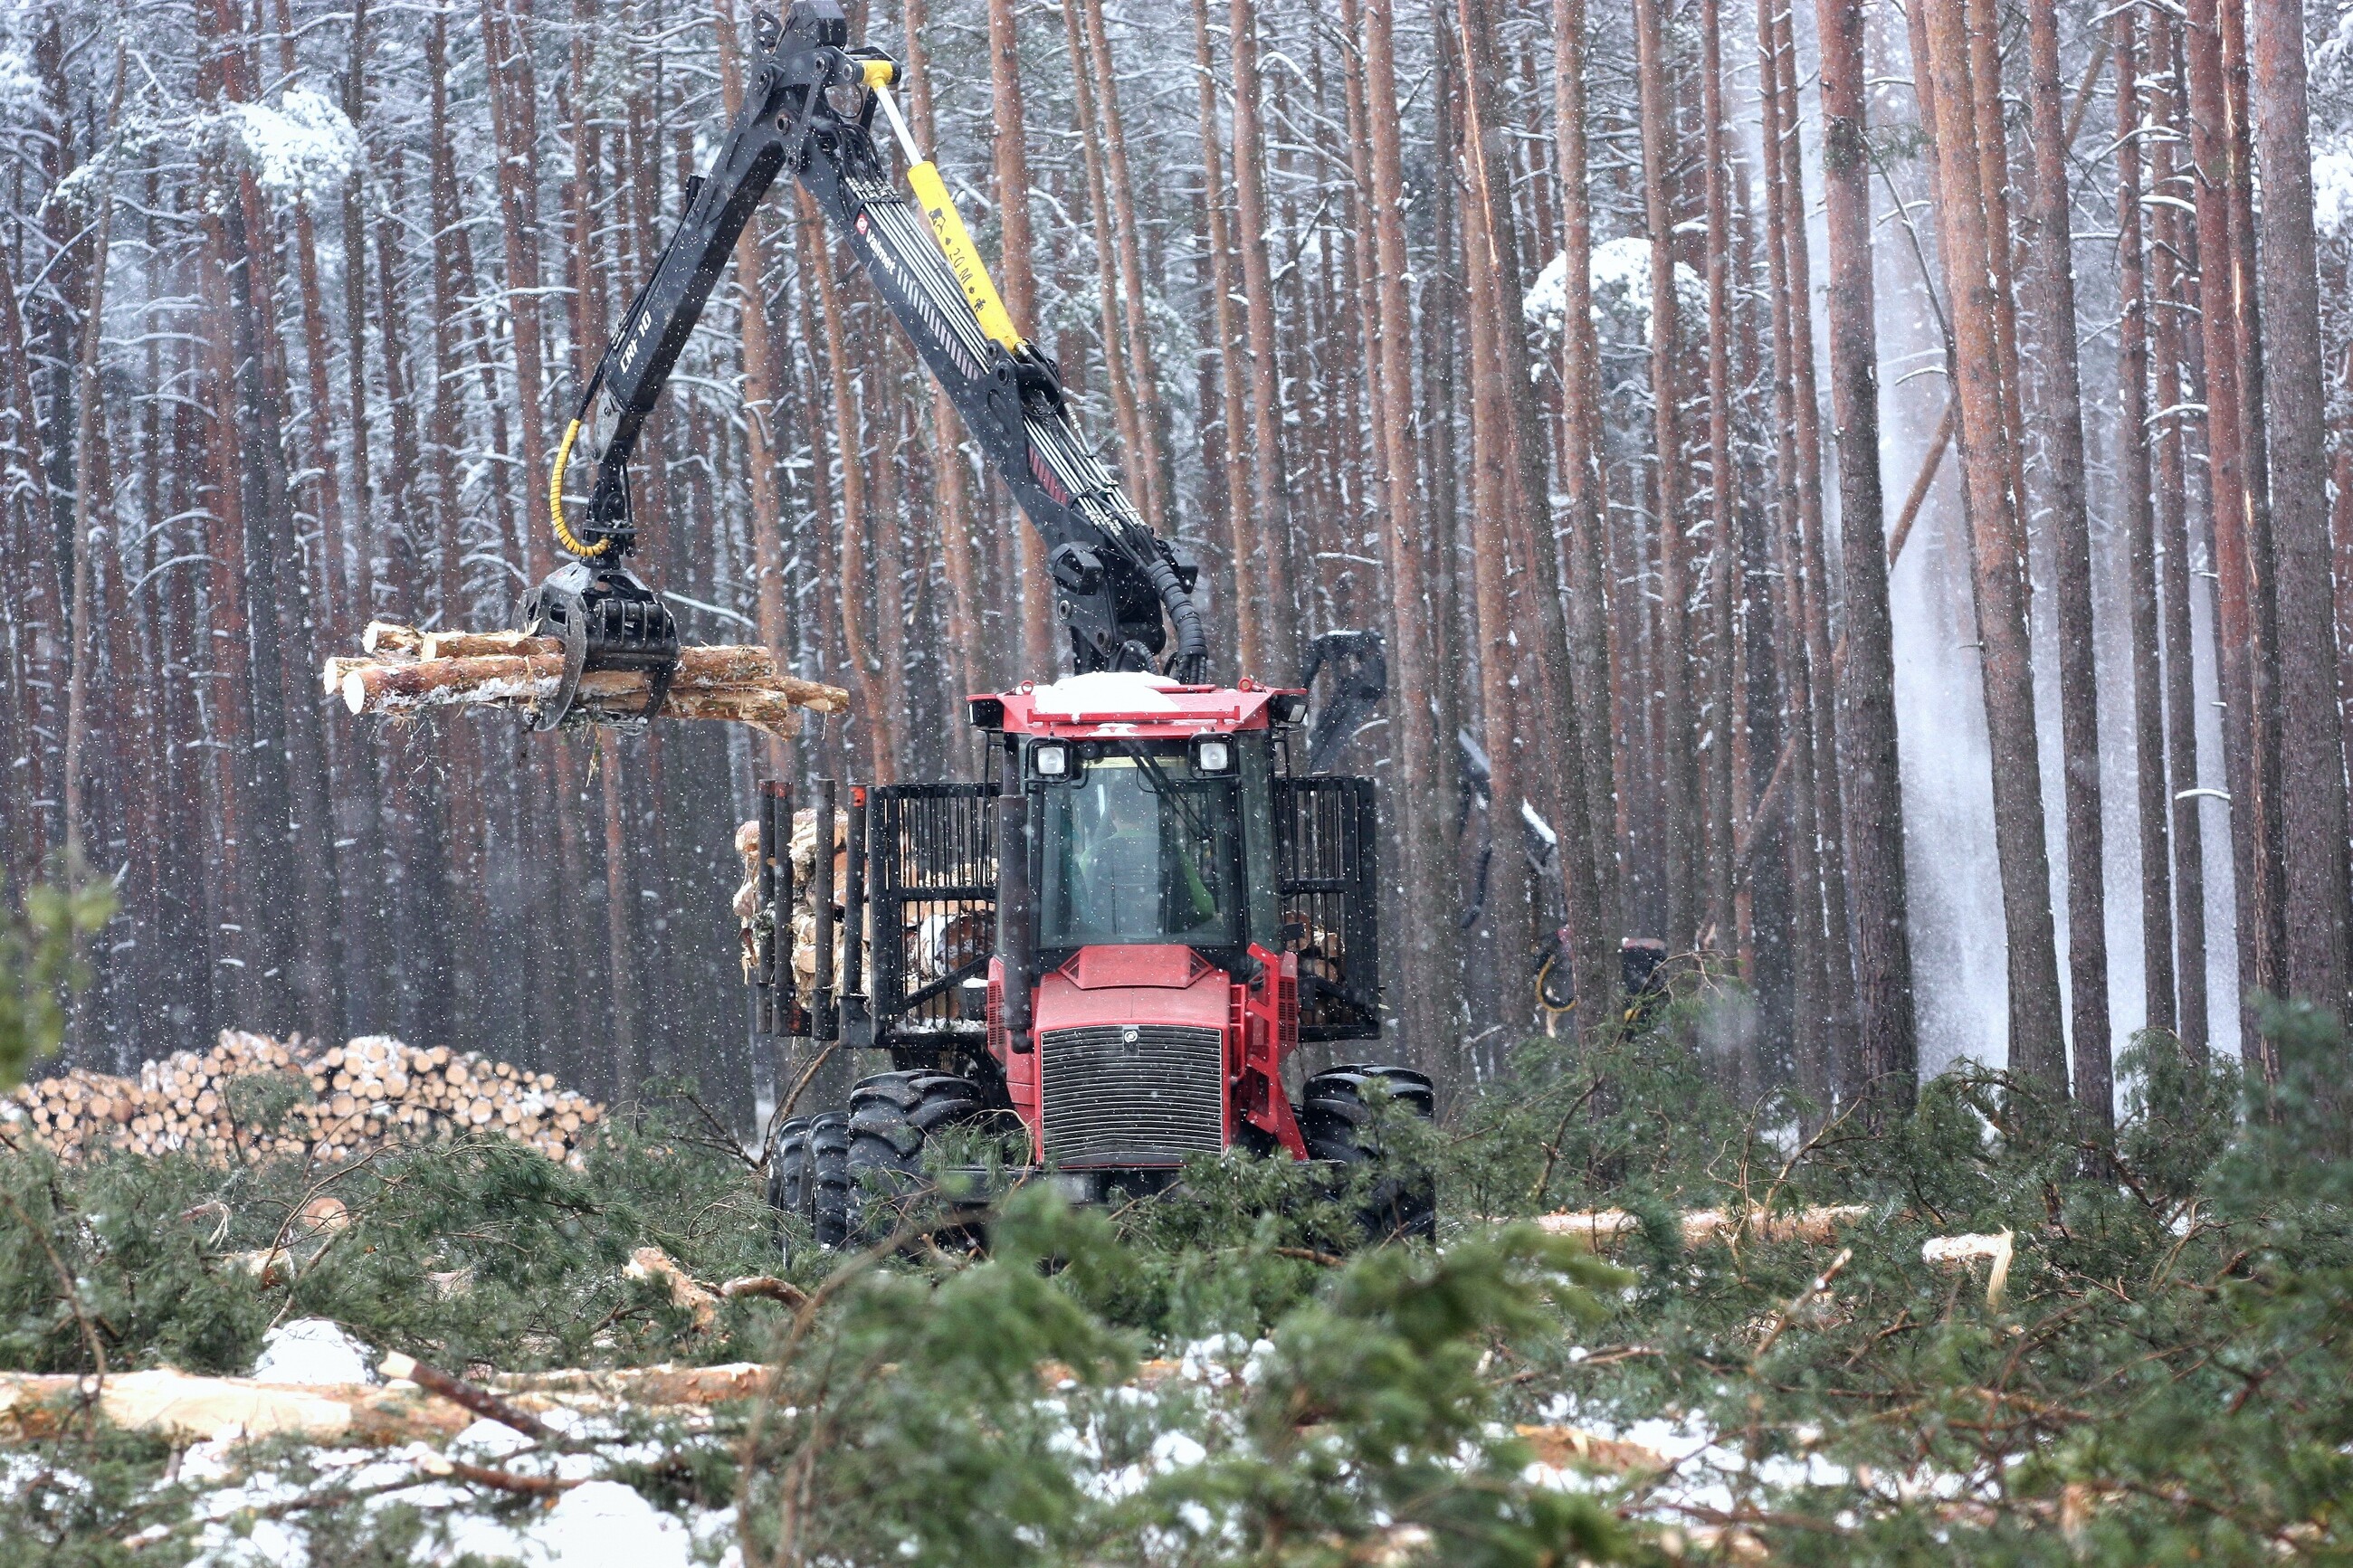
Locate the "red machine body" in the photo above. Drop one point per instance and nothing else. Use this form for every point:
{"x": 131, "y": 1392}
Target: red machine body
{"x": 1133, "y": 993}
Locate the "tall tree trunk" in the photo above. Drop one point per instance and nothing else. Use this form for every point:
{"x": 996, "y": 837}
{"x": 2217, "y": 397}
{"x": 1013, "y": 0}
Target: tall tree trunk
{"x": 2174, "y": 239}
{"x": 1422, "y": 752}
{"x": 2312, "y": 761}
{"x": 1592, "y": 674}
{"x": 2060, "y": 420}
{"x": 1678, "y": 794}
{"x": 91, "y": 482}
{"x": 1118, "y": 384}
{"x": 1030, "y": 586}
{"x": 1244, "y": 540}
{"x": 764, "y": 408}
{"x": 1269, "y": 460}
{"x": 1968, "y": 241}
{"x": 1548, "y": 726}
{"x": 2140, "y": 556}
{"x": 951, "y": 479}
{"x": 1814, "y": 585}
{"x": 1868, "y": 766}
{"x": 2239, "y": 620}
{"x": 1149, "y": 460}
{"x": 877, "y": 702}
{"x": 1808, "y": 987}
{"x": 1723, "y": 722}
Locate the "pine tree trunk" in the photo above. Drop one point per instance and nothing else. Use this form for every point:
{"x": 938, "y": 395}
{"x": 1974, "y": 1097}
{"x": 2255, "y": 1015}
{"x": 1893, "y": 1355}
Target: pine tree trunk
{"x": 2238, "y": 621}
{"x": 1678, "y": 792}
{"x": 1968, "y": 241}
{"x": 1724, "y": 718}
{"x": 1814, "y": 582}
{"x": 2312, "y": 761}
{"x": 951, "y": 480}
{"x": 2060, "y": 421}
{"x": 2133, "y": 505}
{"x": 1149, "y": 460}
{"x": 1118, "y": 381}
{"x": 876, "y": 701}
{"x": 1244, "y": 541}
{"x": 1870, "y": 773}
{"x": 2173, "y": 240}
{"x": 1809, "y": 1040}
{"x": 764, "y": 408}
{"x": 1269, "y": 460}
{"x": 1422, "y": 715}
{"x": 1592, "y": 673}
{"x": 1030, "y": 586}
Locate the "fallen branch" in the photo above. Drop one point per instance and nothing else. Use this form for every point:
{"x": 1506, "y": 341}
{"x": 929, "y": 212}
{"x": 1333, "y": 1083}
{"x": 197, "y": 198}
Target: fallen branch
{"x": 480, "y": 1401}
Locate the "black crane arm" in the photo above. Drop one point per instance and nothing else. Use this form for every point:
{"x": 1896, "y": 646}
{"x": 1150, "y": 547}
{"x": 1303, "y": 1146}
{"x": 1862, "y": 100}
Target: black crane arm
{"x": 810, "y": 107}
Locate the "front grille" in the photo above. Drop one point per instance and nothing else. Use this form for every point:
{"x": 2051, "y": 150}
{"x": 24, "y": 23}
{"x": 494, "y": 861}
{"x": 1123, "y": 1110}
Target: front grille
{"x": 1151, "y": 1099}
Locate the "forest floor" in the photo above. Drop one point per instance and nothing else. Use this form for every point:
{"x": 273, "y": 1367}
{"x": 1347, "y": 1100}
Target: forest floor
{"x": 2155, "y": 1368}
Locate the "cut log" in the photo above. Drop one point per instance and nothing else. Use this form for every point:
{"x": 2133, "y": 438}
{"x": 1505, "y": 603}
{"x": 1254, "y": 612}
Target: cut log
{"x": 412, "y": 670}
{"x": 390, "y": 636}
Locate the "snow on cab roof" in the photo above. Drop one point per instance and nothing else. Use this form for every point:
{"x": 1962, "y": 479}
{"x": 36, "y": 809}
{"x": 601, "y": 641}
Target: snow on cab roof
{"x": 1106, "y": 690}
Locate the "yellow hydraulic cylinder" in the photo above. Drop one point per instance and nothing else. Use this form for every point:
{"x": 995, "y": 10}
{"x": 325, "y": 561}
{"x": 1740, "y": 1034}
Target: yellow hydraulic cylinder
{"x": 964, "y": 257}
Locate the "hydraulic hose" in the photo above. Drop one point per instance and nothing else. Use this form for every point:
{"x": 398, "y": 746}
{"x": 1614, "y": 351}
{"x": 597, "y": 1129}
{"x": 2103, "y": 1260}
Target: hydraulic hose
{"x": 1190, "y": 664}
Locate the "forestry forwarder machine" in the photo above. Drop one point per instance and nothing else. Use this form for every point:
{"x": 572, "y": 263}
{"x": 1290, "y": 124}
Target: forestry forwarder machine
{"x": 1119, "y": 937}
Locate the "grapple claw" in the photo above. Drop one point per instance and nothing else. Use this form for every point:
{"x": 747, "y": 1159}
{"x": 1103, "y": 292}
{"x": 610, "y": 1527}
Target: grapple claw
{"x": 608, "y": 619}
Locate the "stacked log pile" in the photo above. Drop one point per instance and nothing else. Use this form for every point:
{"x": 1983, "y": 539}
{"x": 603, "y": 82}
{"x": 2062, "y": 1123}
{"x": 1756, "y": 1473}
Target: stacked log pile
{"x": 408, "y": 671}
{"x": 349, "y": 1099}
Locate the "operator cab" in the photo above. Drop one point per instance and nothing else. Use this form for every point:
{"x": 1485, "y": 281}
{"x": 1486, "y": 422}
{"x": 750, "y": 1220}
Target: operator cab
{"x": 1152, "y": 811}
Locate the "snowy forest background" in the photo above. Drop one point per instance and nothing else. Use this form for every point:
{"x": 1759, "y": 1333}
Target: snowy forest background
{"x": 297, "y": 293}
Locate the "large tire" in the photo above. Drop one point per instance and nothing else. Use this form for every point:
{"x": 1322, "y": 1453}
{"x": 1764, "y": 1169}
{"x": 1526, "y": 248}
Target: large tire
{"x": 829, "y": 1191}
{"x": 790, "y": 1188}
{"x": 892, "y": 1116}
{"x": 1335, "y": 1118}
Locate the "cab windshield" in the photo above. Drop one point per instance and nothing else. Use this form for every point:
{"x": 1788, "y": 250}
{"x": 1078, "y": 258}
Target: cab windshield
{"x": 1139, "y": 848}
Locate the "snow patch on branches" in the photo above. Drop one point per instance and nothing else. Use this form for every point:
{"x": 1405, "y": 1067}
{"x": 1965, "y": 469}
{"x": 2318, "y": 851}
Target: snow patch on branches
{"x": 304, "y": 149}
{"x": 1619, "y": 274}
{"x": 311, "y": 1351}
{"x": 2332, "y": 185}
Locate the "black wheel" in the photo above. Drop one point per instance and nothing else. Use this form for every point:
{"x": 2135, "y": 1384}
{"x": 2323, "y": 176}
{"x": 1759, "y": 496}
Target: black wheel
{"x": 829, "y": 1138}
{"x": 891, "y": 1116}
{"x": 790, "y": 1189}
{"x": 1335, "y": 1117}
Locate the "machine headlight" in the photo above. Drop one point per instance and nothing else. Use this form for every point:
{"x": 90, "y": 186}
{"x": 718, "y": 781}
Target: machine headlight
{"x": 1050, "y": 759}
{"x": 1213, "y": 756}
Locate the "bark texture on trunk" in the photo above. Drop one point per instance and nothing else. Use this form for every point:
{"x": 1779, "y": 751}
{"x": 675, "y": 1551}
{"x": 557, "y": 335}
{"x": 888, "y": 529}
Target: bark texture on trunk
{"x": 2135, "y": 514}
{"x": 2312, "y": 761}
{"x": 2059, "y": 420}
{"x": 1967, "y": 241}
{"x": 1887, "y": 1037}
